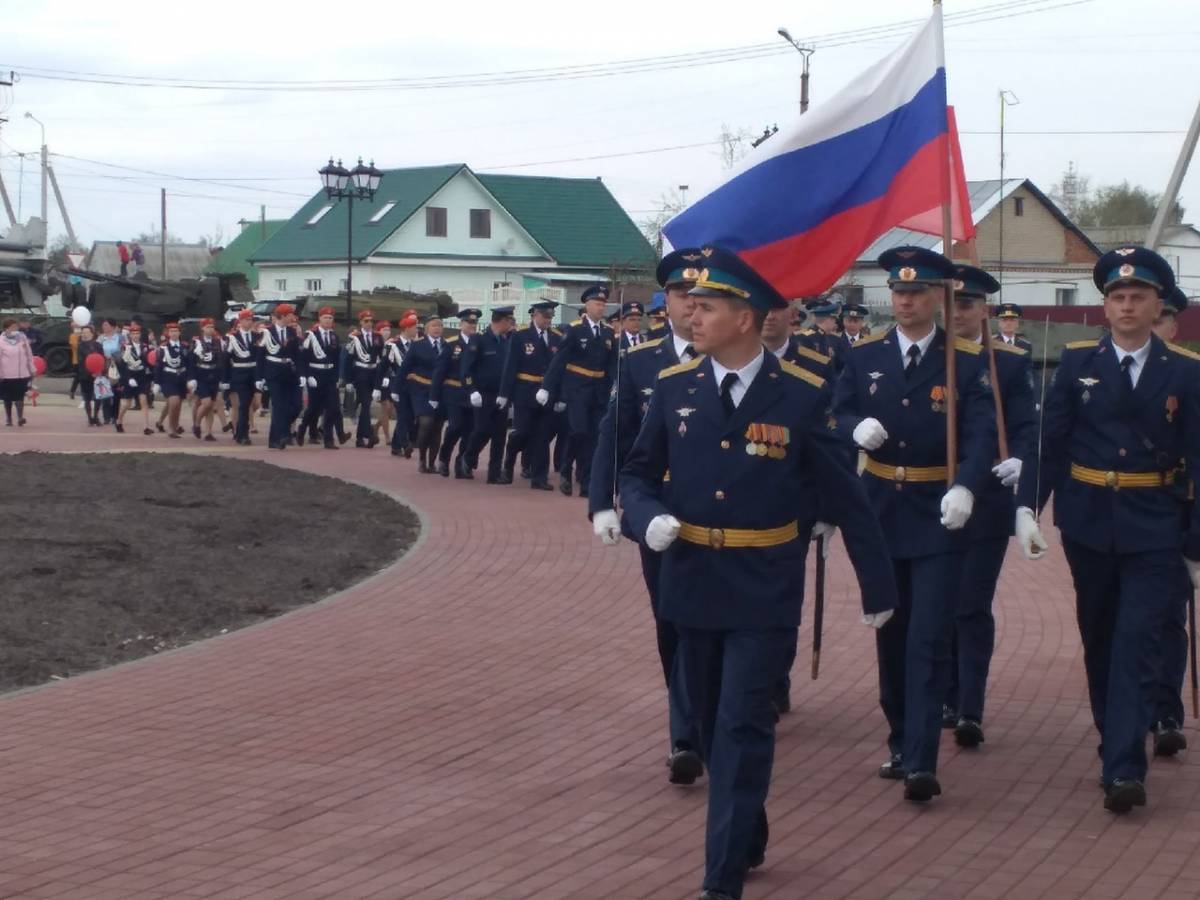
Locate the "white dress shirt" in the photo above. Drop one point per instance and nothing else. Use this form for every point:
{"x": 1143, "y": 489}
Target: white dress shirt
{"x": 745, "y": 376}
{"x": 680, "y": 346}
{"x": 1139, "y": 355}
{"x": 906, "y": 342}
{"x": 781, "y": 350}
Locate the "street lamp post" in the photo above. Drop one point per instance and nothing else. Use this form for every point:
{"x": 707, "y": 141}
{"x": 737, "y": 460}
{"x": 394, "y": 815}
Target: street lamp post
{"x": 342, "y": 184}
{"x": 45, "y": 170}
{"x": 805, "y": 51}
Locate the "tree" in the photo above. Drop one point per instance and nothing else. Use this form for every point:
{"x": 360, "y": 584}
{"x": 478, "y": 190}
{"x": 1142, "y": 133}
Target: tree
{"x": 1071, "y": 192}
{"x": 153, "y": 235}
{"x": 57, "y": 251}
{"x": 1111, "y": 205}
{"x": 734, "y": 145}
{"x": 670, "y": 204}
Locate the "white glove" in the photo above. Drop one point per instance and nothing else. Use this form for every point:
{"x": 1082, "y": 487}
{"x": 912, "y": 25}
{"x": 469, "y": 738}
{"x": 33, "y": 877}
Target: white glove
{"x": 501, "y": 402}
{"x": 869, "y": 434}
{"x": 260, "y": 386}
{"x": 375, "y": 395}
{"x": 542, "y": 397}
{"x": 191, "y": 386}
{"x": 1029, "y": 536}
{"x": 1193, "y": 568}
{"x": 133, "y": 382}
{"x": 223, "y": 386}
{"x": 433, "y": 404}
{"x": 476, "y": 399}
{"x": 1009, "y": 471}
{"x": 312, "y": 382}
{"x": 560, "y": 406}
{"x": 661, "y": 532}
{"x": 606, "y": 525}
{"x": 878, "y": 620}
{"x": 956, "y": 507}
{"x": 386, "y": 382}
{"x": 826, "y": 531}
{"x": 395, "y": 398}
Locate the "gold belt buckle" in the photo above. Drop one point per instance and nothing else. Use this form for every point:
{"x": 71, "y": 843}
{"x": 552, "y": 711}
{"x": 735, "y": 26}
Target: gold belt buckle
{"x": 900, "y": 474}
{"x": 716, "y": 538}
{"x": 1110, "y": 479}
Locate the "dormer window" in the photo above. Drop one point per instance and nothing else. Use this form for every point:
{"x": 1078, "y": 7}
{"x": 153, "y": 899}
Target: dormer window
{"x": 319, "y": 214}
{"x": 383, "y": 211}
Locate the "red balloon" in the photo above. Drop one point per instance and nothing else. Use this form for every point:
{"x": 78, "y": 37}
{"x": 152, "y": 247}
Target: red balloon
{"x": 94, "y": 363}
{"x": 152, "y": 357}
{"x": 39, "y": 366}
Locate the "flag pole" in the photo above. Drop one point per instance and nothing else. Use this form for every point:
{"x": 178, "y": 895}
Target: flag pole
{"x": 997, "y": 400}
{"x": 948, "y": 283}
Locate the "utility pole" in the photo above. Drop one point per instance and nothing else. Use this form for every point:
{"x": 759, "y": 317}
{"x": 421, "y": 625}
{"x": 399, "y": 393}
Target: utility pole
{"x": 806, "y": 52}
{"x": 262, "y": 217}
{"x": 45, "y": 174}
{"x": 1175, "y": 182}
{"x": 12, "y": 219}
{"x": 162, "y": 237}
{"x": 1007, "y": 98}
{"x": 62, "y": 208}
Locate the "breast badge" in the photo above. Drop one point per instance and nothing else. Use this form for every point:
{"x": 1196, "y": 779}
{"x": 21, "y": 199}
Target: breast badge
{"x": 767, "y": 440}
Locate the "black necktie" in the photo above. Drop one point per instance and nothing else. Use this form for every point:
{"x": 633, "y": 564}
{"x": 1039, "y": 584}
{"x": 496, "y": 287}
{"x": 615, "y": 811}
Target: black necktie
{"x": 727, "y": 384}
{"x": 1127, "y": 373}
{"x": 914, "y": 357}
{"x": 545, "y": 338}
{"x": 689, "y": 352}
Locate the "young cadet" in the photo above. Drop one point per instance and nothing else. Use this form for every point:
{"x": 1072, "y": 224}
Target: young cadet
{"x": 416, "y": 372}
{"x": 277, "y": 348}
{"x": 580, "y": 376}
{"x": 891, "y": 401}
{"x": 389, "y": 380}
{"x": 134, "y": 368}
{"x": 991, "y": 524}
{"x": 529, "y": 353}
{"x": 1009, "y": 319}
{"x": 481, "y": 369}
{"x": 318, "y": 359}
{"x": 640, "y": 368}
{"x": 171, "y": 375}
{"x": 1121, "y": 414}
{"x": 206, "y": 365}
{"x": 239, "y": 372}
{"x": 364, "y": 351}
{"x": 446, "y": 394}
{"x": 744, "y": 438}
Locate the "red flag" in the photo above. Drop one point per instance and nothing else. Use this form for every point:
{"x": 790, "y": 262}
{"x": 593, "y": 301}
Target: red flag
{"x": 962, "y": 223}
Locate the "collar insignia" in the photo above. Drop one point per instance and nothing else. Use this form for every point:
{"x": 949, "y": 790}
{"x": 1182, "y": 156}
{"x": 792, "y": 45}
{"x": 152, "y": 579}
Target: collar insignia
{"x": 1089, "y": 382}
{"x": 875, "y": 375}
{"x": 684, "y": 411}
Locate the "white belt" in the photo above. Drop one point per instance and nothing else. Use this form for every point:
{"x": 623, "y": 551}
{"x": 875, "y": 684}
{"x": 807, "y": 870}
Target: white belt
{"x": 205, "y": 366}
{"x": 172, "y": 370}
{"x": 278, "y": 359}
{"x": 320, "y": 365}
{"x": 246, "y": 365}
{"x": 363, "y": 365}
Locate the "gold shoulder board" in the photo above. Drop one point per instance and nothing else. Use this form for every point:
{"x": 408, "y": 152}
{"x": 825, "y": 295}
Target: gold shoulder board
{"x": 968, "y": 346}
{"x": 862, "y": 342}
{"x": 682, "y": 367}
{"x": 809, "y": 353}
{"x": 1009, "y": 348}
{"x": 798, "y": 372}
{"x": 1183, "y": 351}
{"x": 644, "y": 345}
{"x": 1081, "y": 345}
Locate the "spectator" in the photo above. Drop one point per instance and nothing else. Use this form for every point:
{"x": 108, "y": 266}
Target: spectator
{"x": 123, "y": 254}
{"x": 73, "y": 342}
{"x": 16, "y": 370}
{"x": 87, "y": 381}
{"x": 139, "y": 258}
{"x": 110, "y": 346}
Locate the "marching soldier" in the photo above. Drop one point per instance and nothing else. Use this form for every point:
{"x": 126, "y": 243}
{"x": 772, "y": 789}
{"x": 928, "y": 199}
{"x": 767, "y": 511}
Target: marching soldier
{"x": 631, "y": 325}
{"x": 1120, "y": 415}
{"x": 318, "y": 366}
{"x": 416, "y": 372}
{"x": 389, "y": 380}
{"x": 134, "y": 369}
{"x": 891, "y": 401}
{"x": 205, "y": 377}
{"x": 277, "y": 348}
{"x": 677, "y": 273}
{"x": 799, "y": 317}
{"x": 778, "y": 339}
{"x": 854, "y": 317}
{"x": 744, "y": 439}
{"x": 991, "y": 524}
{"x": 658, "y": 316}
{"x": 529, "y": 353}
{"x": 447, "y": 394}
{"x": 822, "y": 335}
{"x": 481, "y": 369}
{"x": 171, "y": 375}
{"x": 240, "y": 359}
{"x": 579, "y": 376}
{"x": 364, "y": 351}
{"x": 1009, "y": 321}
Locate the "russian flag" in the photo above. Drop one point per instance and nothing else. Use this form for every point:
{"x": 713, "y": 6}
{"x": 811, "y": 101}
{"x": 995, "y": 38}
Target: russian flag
{"x": 874, "y": 156}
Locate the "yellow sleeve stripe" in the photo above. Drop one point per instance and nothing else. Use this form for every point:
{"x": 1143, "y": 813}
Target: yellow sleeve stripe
{"x": 798, "y": 372}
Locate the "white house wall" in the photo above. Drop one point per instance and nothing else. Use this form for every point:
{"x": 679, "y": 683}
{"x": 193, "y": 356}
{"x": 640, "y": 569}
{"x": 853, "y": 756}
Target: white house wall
{"x": 1022, "y": 288}
{"x": 459, "y": 195}
{"x": 466, "y": 282}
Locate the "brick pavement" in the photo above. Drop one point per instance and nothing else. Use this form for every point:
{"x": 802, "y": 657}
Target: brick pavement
{"x": 485, "y": 719}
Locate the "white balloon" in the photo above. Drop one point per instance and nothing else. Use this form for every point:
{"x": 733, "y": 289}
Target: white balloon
{"x": 81, "y": 316}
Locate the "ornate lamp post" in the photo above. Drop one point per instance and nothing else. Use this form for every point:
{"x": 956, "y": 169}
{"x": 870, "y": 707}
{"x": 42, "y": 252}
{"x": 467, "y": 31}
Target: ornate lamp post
{"x": 342, "y": 184}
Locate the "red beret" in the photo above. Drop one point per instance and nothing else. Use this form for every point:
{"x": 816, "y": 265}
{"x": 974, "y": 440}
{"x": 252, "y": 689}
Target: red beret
{"x": 245, "y": 314}
{"x": 365, "y": 314}
{"x": 409, "y": 320}
{"x": 325, "y": 311}
{"x": 284, "y": 309}
{"x": 383, "y": 325}
{"x": 205, "y": 323}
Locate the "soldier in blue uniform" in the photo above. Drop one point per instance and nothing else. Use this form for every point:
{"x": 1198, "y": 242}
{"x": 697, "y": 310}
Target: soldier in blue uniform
{"x": 206, "y": 367}
{"x": 529, "y": 353}
{"x": 777, "y": 337}
{"x": 481, "y": 371}
{"x": 447, "y": 395}
{"x": 417, "y": 372}
{"x": 991, "y": 524}
{"x": 240, "y": 356}
{"x": 657, "y": 314}
{"x": 821, "y": 335}
{"x": 580, "y": 376}
{"x": 318, "y": 359}
{"x": 1008, "y": 318}
{"x": 134, "y": 368}
{"x": 389, "y": 380}
{"x": 677, "y": 273}
{"x": 743, "y": 437}
{"x": 277, "y": 349}
{"x": 854, "y": 317}
{"x": 891, "y": 401}
{"x": 171, "y": 376}
{"x": 364, "y": 350}
{"x": 631, "y": 325}
{"x": 1120, "y": 415}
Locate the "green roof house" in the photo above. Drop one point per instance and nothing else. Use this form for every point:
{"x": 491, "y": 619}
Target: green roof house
{"x": 483, "y": 239}
{"x": 236, "y": 255}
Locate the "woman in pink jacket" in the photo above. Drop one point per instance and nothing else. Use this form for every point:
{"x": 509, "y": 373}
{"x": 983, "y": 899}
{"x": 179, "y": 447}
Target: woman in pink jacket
{"x": 16, "y": 370}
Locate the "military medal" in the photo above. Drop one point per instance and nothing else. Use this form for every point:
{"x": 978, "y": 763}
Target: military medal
{"x": 1172, "y": 408}
{"x": 872, "y": 389}
{"x": 938, "y": 395}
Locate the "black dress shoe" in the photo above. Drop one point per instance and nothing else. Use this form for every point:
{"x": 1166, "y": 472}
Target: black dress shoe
{"x": 541, "y": 486}
{"x": 507, "y": 472}
{"x": 525, "y": 472}
{"x": 196, "y": 431}
{"x": 921, "y": 787}
{"x": 949, "y": 717}
{"x": 505, "y": 478}
{"x": 408, "y": 452}
{"x": 330, "y": 445}
{"x": 423, "y": 469}
{"x": 120, "y": 428}
{"x": 159, "y": 426}
{"x": 361, "y": 444}
{"x": 462, "y": 470}
{"x": 372, "y": 442}
{"x": 342, "y": 438}
{"x": 210, "y": 439}
{"x": 1168, "y": 739}
{"x": 1123, "y": 794}
{"x": 397, "y": 452}
{"x": 583, "y": 492}
{"x": 715, "y": 895}
{"x": 685, "y": 766}
{"x": 564, "y": 486}
{"x": 893, "y": 769}
{"x": 300, "y": 438}
{"x": 968, "y": 733}
{"x": 443, "y": 469}
{"x": 757, "y": 854}
{"x": 228, "y": 426}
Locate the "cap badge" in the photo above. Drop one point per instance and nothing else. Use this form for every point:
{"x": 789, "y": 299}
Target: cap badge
{"x": 690, "y": 274}
{"x": 1125, "y": 271}
{"x": 958, "y": 285}
{"x": 706, "y": 251}
{"x": 1125, "y": 251}
{"x": 908, "y": 273}
{"x": 702, "y": 275}
{"x": 690, "y": 257}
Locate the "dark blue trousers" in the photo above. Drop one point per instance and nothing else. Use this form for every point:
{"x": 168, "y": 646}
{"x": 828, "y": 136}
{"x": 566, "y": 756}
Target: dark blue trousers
{"x": 1174, "y": 653}
{"x": 402, "y": 428}
{"x": 281, "y": 387}
{"x": 323, "y": 404}
{"x": 533, "y": 426}
{"x": 975, "y": 628}
{"x": 459, "y": 422}
{"x": 914, "y": 656}
{"x": 244, "y": 389}
{"x": 585, "y": 409}
{"x": 1122, "y": 602}
{"x": 679, "y": 712}
{"x": 490, "y": 427}
{"x": 364, "y": 385}
{"x": 729, "y": 677}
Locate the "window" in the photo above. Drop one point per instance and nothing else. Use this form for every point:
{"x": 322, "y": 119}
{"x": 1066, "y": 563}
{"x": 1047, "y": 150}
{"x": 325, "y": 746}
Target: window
{"x": 1064, "y": 296}
{"x": 435, "y": 221}
{"x": 281, "y": 284}
{"x": 1018, "y": 206}
{"x": 481, "y": 223}
{"x": 343, "y": 284}
{"x": 312, "y": 285}
{"x": 383, "y": 211}
{"x": 319, "y": 214}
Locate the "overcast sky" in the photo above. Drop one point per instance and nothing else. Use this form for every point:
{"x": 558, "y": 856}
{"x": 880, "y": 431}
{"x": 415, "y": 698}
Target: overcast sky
{"x": 1075, "y": 65}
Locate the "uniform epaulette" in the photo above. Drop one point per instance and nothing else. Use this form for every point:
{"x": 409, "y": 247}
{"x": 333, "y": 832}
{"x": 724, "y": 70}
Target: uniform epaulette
{"x": 798, "y": 372}
{"x": 451, "y": 340}
{"x": 809, "y": 353}
{"x": 809, "y": 332}
{"x": 682, "y": 367}
{"x": 968, "y": 346}
{"x": 644, "y": 345}
{"x": 556, "y": 331}
{"x": 1009, "y": 348}
{"x": 577, "y": 322}
{"x": 1183, "y": 351}
{"x": 863, "y": 341}
{"x": 1081, "y": 345}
